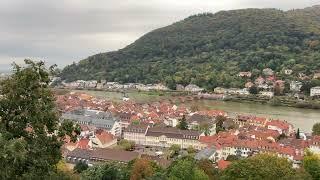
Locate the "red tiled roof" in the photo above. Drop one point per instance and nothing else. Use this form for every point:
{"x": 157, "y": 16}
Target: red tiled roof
{"x": 83, "y": 144}
{"x": 105, "y": 137}
{"x": 222, "y": 164}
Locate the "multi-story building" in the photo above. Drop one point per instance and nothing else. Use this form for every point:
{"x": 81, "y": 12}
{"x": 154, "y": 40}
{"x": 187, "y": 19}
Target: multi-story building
{"x": 166, "y": 137}
{"x": 315, "y": 91}
{"x": 98, "y": 119}
{"x": 136, "y": 133}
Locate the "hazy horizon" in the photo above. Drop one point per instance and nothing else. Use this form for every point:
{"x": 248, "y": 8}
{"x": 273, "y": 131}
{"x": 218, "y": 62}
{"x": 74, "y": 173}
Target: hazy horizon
{"x": 61, "y": 32}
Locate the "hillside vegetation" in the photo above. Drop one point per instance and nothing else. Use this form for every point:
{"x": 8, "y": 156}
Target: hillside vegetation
{"x": 211, "y": 49}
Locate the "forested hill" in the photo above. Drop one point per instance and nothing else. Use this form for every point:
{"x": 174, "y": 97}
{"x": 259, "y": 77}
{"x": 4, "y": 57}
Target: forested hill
{"x": 210, "y": 49}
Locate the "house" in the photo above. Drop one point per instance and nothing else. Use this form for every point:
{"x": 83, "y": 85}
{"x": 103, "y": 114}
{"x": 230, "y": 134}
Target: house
{"x": 245, "y": 74}
{"x": 179, "y": 87}
{"x": 193, "y": 88}
{"x": 249, "y": 84}
{"x": 98, "y": 119}
{"x": 219, "y": 90}
{"x": 166, "y": 137}
{"x": 259, "y": 81}
{"x": 196, "y": 121}
{"x": 315, "y": 91}
{"x": 172, "y": 122}
{"x": 295, "y": 86}
{"x": 281, "y": 126}
{"x": 268, "y": 72}
{"x": 288, "y": 71}
{"x": 314, "y": 145}
{"x": 103, "y": 139}
{"x": 84, "y": 144}
{"x": 316, "y": 76}
{"x": 269, "y": 94}
{"x": 136, "y": 133}
{"x": 242, "y": 120}
{"x": 243, "y": 91}
{"x": 302, "y": 76}
{"x": 207, "y": 153}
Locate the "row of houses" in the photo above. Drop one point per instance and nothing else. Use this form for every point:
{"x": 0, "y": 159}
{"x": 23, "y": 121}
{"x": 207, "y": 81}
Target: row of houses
{"x": 81, "y": 84}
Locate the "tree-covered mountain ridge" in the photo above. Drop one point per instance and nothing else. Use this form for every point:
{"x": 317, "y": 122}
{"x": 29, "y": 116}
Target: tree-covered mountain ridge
{"x": 211, "y": 49}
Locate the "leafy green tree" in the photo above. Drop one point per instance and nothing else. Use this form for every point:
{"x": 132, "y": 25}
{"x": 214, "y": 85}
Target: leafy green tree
{"x": 232, "y": 158}
{"x": 316, "y": 129}
{"x": 126, "y": 145}
{"x": 30, "y": 148}
{"x": 298, "y": 134}
{"x": 262, "y": 166}
{"x": 208, "y": 168}
{"x": 144, "y": 169}
{"x": 184, "y": 169}
{"x": 219, "y": 123}
{"x": 107, "y": 171}
{"x": 174, "y": 149}
{"x": 253, "y": 90}
{"x": 311, "y": 163}
{"x": 80, "y": 166}
{"x": 183, "y": 125}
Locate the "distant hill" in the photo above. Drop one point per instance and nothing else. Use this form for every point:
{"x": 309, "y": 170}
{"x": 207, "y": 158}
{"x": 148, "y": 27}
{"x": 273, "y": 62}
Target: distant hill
{"x": 211, "y": 49}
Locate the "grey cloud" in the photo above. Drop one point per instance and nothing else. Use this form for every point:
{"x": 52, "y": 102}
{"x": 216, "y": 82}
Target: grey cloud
{"x": 63, "y": 31}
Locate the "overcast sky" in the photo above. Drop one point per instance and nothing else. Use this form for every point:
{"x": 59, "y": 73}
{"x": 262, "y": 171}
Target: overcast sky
{"x": 63, "y": 31}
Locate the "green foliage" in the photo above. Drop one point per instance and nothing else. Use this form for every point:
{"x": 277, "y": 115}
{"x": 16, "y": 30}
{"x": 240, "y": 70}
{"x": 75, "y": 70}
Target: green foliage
{"x": 184, "y": 169}
{"x": 219, "y": 123}
{"x": 253, "y": 90}
{"x": 208, "y": 168}
{"x": 80, "y": 166}
{"x": 311, "y": 164}
{"x": 174, "y": 150}
{"x": 27, "y": 115}
{"x": 126, "y": 145}
{"x": 211, "y": 49}
{"x": 263, "y": 166}
{"x": 107, "y": 171}
{"x": 316, "y": 129}
{"x": 183, "y": 125}
{"x": 232, "y": 158}
{"x": 298, "y": 134}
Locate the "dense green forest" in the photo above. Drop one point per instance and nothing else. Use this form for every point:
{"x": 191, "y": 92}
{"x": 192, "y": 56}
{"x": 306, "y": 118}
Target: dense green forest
{"x": 211, "y": 49}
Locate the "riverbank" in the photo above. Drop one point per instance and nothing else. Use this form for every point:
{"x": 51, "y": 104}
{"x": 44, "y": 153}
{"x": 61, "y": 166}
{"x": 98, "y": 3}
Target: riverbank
{"x": 276, "y": 101}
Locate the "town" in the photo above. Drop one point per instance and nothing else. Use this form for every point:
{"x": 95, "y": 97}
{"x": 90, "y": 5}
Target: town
{"x": 113, "y": 131}
{"x": 266, "y": 84}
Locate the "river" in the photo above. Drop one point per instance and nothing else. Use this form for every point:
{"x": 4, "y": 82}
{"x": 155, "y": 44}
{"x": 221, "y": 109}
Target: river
{"x": 300, "y": 118}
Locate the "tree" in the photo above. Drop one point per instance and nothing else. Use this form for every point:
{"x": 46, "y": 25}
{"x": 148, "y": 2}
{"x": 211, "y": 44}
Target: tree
{"x": 29, "y": 147}
{"x": 142, "y": 169}
{"x": 208, "y": 168}
{"x": 191, "y": 150}
{"x": 174, "y": 149}
{"x": 183, "y": 125}
{"x": 311, "y": 163}
{"x": 232, "y": 158}
{"x": 262, "y": 166}
{"x": 184, "y": 169}
{"x": 107, "y": 171}
{"x": 126, "y": 145}
{"x": 219, "y": 123}
{"x": 298, "y": 134}
{"x": 316, "y": 129}
{"x": 80, "y": 166}
{"x": 253, "y": 90}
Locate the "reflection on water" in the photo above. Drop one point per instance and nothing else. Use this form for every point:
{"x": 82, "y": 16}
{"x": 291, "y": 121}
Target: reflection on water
{"x": 300, "y": 118}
